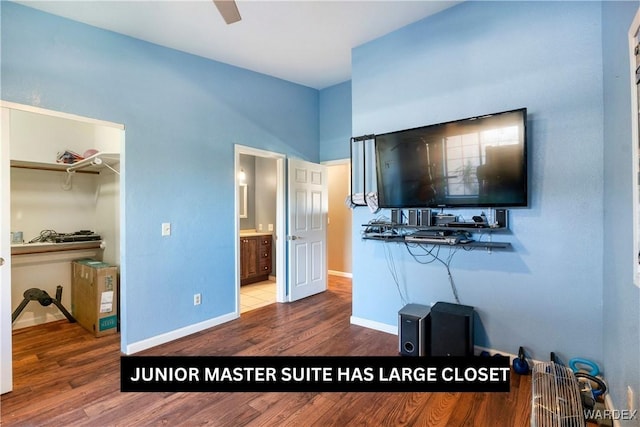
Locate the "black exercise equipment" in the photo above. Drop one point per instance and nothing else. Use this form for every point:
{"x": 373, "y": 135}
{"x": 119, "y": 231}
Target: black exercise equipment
{"x": 520, "y": 365}
{"x": 44, "y": 299}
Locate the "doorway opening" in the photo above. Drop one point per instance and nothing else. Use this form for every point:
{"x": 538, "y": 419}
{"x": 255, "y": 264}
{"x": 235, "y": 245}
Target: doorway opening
{"x": 260, "y": 228}
{"x": 339, "y": 228}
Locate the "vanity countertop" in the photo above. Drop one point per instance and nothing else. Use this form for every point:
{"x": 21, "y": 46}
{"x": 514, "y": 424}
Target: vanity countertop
{"x": 253, "y": 233}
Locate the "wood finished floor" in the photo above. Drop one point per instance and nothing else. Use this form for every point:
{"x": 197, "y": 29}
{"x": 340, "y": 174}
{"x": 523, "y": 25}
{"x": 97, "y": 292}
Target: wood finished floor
{"x": 65, "y": 377}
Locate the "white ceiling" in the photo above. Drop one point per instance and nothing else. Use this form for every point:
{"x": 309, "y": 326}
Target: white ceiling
{"x": 305, "y": 41}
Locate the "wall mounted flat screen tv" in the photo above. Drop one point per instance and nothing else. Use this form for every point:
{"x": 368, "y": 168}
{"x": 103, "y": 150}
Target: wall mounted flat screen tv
{"x": 475, "y": 162}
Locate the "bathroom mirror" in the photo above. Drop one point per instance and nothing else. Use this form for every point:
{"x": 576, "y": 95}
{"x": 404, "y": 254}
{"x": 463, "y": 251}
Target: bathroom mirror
{"x": 242, "y": 200}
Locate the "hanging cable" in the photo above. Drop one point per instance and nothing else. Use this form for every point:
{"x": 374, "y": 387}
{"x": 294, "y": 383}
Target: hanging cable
{"x": 451, "y": 282}
{"x": 436, "y": 257}
{"x": 394, "y": 274}
{"x": 45, "y": 236}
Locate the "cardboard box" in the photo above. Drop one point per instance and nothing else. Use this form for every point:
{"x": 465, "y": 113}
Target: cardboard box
{"x": 94, "y": 296}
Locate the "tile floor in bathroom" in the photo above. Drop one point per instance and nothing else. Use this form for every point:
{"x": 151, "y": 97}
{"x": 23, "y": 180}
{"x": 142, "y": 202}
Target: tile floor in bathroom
{"x": 257, "y": 295}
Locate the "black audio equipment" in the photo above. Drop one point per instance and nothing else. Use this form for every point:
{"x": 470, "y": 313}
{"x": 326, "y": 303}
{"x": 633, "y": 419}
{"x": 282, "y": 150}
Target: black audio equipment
{"x": 413, "y": 330}
{"x": 502, "y": 218}
{"x": 451, "y": 329}
{"x": 396, "y": 215}
{"x": 444, "y": 219}
{"x": 425, "y": 217}
{"x": 413, "y": 217}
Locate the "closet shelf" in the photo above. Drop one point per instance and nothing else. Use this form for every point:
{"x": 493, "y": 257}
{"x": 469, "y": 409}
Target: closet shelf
{"x": 37, "y": 248}
{"x": 92, "y": 164}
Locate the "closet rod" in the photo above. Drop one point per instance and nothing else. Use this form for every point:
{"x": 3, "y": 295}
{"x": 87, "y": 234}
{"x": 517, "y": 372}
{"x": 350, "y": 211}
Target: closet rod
{"x": 96, "y": 159}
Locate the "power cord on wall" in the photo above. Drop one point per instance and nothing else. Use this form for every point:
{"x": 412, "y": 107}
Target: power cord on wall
{"x": 394, "y": 274}
{"x": 434, "y": 254}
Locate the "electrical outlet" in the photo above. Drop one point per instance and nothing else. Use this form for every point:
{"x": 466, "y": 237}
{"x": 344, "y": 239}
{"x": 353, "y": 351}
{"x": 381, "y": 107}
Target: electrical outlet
{"x": 259, "y": 227}
{"x": 197, "y": 299}
{"x": 166, "y": 229}
{"x": 270, "y": 227}
{"x": 630, "y": 400}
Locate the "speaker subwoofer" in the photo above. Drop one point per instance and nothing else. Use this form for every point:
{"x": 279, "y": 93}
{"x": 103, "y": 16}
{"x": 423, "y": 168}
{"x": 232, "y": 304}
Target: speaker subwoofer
{"x": 413, "y": 217}
{"x": 451, "y": 329}
{"x": 425, "y": 217}
{"x": 396, "y": 216}
{"x": 413, "y": 330}
{"x": 502, "y": 218}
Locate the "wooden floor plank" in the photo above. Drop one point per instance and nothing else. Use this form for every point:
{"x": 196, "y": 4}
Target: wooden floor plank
{"x": 311, "y": 413}
{"x": 63, "y": 376}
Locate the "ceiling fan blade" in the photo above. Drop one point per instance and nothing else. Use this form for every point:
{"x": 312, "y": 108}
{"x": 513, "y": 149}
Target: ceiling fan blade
{"x": 228, "y": 10}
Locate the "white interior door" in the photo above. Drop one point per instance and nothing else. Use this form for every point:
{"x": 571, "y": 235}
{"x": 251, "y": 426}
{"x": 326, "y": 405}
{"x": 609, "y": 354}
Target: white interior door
{"x": 6, "y": 367}
{"x": 307, "y": 238}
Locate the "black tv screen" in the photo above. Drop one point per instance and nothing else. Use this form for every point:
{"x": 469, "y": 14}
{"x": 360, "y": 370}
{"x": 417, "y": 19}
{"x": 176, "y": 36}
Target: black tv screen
{"x": 475, "y": 162}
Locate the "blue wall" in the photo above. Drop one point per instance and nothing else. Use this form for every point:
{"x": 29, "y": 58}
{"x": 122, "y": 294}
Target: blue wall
{"x": 183, "y": 114}
{"x": 621, "y": 322}
{"x": 335, "y": 122}
{"x": 567, "y": 286}
{"x": 478, "y": 58}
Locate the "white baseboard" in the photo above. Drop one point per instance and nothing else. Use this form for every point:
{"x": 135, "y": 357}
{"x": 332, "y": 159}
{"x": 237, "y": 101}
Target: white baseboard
{"x": 28, "y": 322}
{"x": 178, "y": 333}
{"x": 378, "y": 326}
{"x": 478, "y": 349}
{"x": 340, "y": 273}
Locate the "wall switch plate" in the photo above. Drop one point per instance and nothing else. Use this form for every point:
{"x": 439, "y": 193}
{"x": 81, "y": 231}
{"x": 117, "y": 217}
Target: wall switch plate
{"x": 197, "y": 299}
{"x": 166, "y": 229}
{"x": 259, "y": 227}
{"x": 270, "y": 227}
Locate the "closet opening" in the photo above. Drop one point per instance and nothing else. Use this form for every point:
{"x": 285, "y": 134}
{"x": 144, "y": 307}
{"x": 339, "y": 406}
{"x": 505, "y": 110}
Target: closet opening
{"x": 64, "y": 220}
